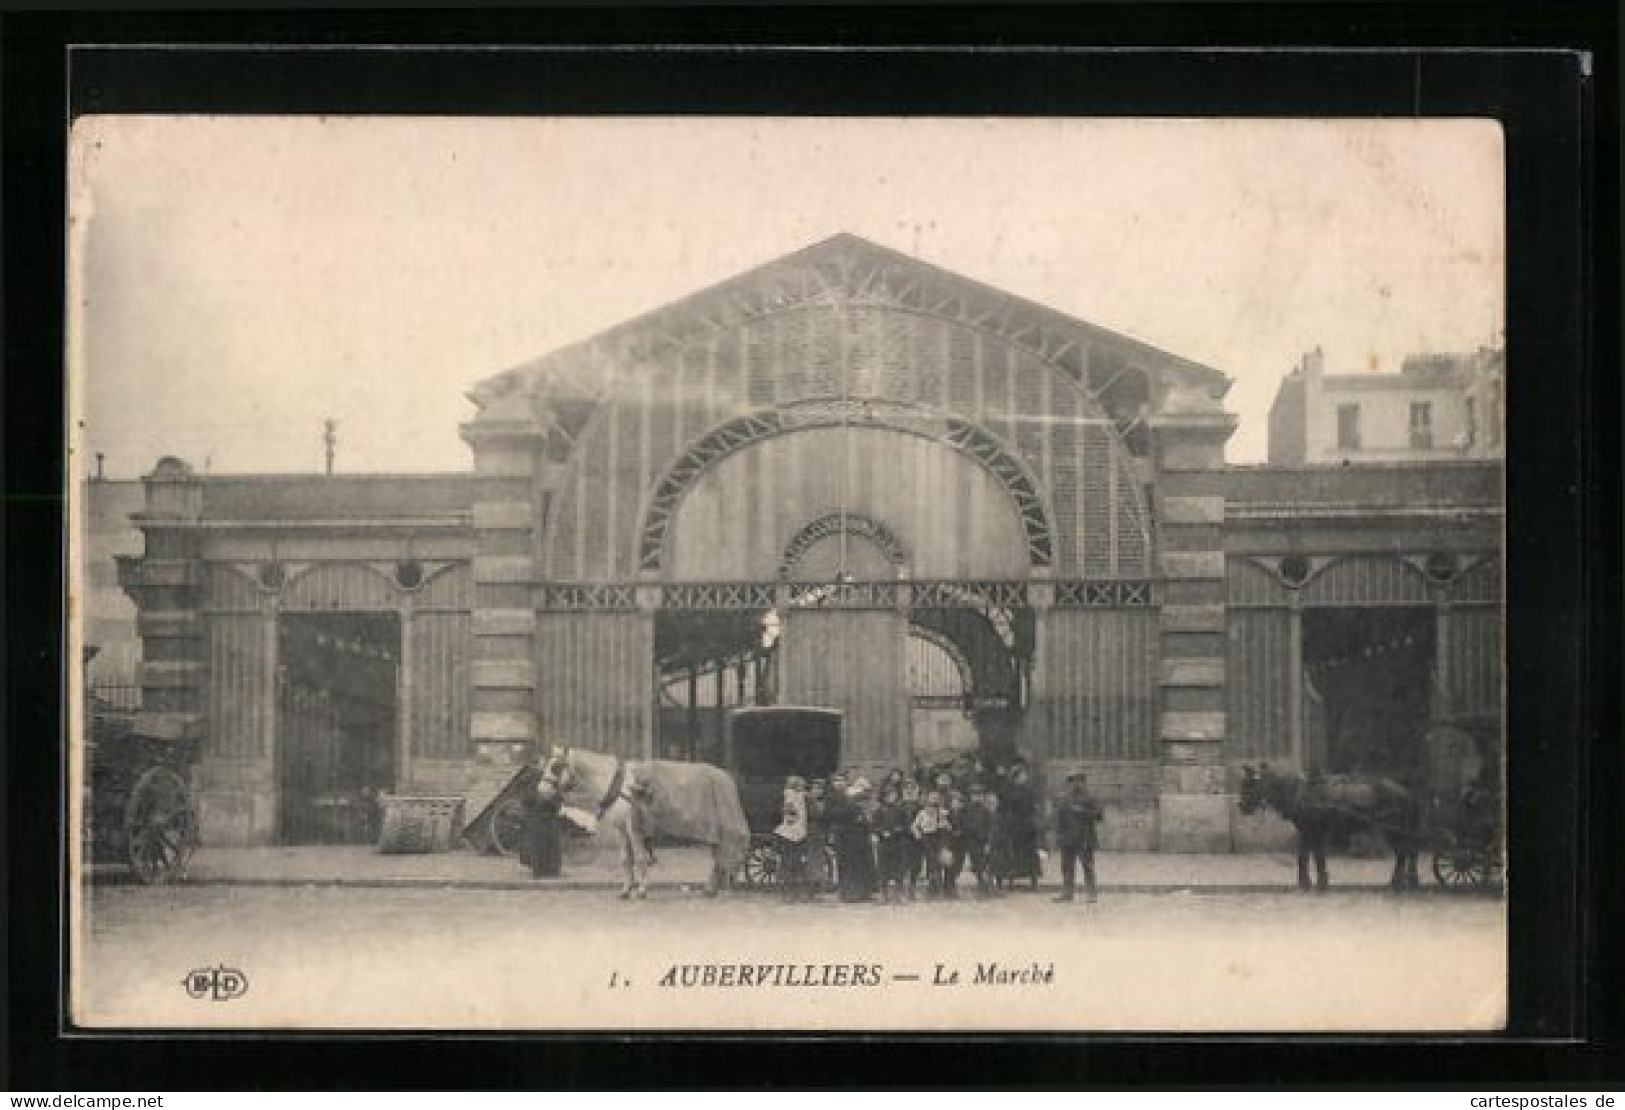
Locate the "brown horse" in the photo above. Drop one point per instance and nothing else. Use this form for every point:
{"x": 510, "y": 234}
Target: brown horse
{"x": 1330, "y": 807}
{"x": 634, "y": 801}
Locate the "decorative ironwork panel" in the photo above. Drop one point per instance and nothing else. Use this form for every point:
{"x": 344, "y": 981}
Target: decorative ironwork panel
{"x": 864, "y": 411}
{"x": 1102, "y": 595}
{"x": 974, "y": 595}
{"x": 711, "y": 448}
{"x": 835, "y": 524}
{"x": 1034, "y": 520}
{"x": 591, "y": 596}
{"x": 853, "y": 337}
{"x": 967, "y": 438}
{"x": 843, "y": 595}
{"x": 717, "y": 595}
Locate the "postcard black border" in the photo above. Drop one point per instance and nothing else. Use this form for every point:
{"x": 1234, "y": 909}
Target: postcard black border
{"x": 1371, "y": 59}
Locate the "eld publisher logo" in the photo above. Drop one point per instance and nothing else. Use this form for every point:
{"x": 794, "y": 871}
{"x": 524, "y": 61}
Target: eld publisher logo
{"x": 219, "y": 983}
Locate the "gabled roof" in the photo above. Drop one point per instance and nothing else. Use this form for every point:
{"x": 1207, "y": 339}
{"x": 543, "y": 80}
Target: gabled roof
{"x": 842, "y": 269}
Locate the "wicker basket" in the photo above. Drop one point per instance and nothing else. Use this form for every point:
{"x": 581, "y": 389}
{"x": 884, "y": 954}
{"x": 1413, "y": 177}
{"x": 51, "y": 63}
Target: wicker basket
{"x": 416, "y": 824}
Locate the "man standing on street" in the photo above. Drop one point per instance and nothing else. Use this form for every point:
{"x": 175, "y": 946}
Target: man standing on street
{"x": 1076, "y": 815}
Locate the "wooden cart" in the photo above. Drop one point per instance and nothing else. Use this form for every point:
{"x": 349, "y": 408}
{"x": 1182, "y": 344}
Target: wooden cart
{"x": 139, "y": 809}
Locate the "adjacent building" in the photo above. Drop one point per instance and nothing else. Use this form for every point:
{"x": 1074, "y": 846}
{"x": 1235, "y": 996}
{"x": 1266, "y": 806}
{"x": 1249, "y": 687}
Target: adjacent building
{"x": 849, "y": 479}
{"x": 1438, "y": 407}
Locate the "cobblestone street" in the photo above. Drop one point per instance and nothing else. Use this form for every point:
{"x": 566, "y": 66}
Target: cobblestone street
{"x": 538, "y": 958}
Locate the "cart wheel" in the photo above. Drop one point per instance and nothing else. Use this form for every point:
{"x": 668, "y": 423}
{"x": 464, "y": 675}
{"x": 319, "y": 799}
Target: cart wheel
{"x": 1461, "y": 868}
{"x": 508, "y": 827}
{"x": 160, "y": 826}
{"x": 761, "y": 866}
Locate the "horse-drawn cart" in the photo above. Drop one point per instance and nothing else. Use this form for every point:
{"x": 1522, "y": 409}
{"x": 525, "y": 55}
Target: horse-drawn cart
{"x": 1450, "y": 809}
{"x": 138, "y": 807}
{"x": 1466, "y": 840}
{"x": 1463, "y": 820}
{"x": 763, "y": 746}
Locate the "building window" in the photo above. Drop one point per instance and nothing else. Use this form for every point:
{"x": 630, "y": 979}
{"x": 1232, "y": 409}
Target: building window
{"x": 1472, "y": 421}
{"x": 1348, "y": 427}
{"x": 1421, "y": 424}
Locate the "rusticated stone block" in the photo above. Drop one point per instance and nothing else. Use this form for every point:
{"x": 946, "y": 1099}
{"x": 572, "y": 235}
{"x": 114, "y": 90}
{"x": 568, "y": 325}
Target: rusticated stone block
{"x": 504, "y": 622}
{"x": 1129, "y": 828}
{"x": 1193, "y": 823}
{"x": 1193, "y": 726}
{"x": 503, "y": 568}
{"x": 508, "y": 725}
{"x": 1192, "y": 510}
{"x": 1193, "y": 564}
{"x": 236, "y": 818}
{"x": 1185, "y": 778}
{"x": 1181, "y": 455}
{"x": 513, "y": 674}
{"x": 492, "y": 515}
{"x": 500, "y": 460}
{"x": 1192, "y": 618}
{"x": 1193, "y": 672}
{"x": 1193, "y": 751}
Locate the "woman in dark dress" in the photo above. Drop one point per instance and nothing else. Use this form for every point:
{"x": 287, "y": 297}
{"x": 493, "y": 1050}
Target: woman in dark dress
{"x": 1018, "y": 808}
{"x": 540, "y": 848}
{"x": 890, "y": 825}
{"x": 854, "y": 851}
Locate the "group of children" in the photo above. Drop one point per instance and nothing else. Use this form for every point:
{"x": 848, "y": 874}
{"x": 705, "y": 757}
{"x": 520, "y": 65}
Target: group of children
{"x": 914, "y": 833}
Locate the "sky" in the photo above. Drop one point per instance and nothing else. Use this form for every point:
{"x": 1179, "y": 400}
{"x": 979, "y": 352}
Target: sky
{"x": 236, "y": 281}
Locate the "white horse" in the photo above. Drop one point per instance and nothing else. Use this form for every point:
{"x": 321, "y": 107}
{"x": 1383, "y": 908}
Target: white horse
{"x": 635, "y": 801}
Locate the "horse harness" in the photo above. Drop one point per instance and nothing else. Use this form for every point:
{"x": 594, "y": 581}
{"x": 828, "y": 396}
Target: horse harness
{"x": 1377, "y": 820}
{"x": 620, "y": 789}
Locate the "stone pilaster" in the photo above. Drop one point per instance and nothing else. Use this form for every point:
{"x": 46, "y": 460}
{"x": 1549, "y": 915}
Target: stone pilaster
{"x": 508, "y": 462}
{"x": 1193, "y": 806}
{"x": 166, "y": 584}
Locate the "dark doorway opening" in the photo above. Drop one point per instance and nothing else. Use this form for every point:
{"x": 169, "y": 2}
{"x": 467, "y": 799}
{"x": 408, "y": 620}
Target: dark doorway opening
{"x": 970, "y": 664}
{"x": 336, "y": 723}
{"x": 1367, "y": 696}
{"x": 706, "y": 662}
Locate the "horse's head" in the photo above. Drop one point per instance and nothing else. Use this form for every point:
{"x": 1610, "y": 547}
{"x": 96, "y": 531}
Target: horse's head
{"x": 557, "y": 772}
{"x": 1252, "y": 791}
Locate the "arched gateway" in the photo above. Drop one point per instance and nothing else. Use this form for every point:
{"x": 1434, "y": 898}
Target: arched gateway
{"x": 914, "y": 479}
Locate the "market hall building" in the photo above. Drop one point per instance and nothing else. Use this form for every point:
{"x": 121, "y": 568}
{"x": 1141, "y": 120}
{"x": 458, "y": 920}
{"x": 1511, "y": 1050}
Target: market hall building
{"x": 848, "y": 479}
